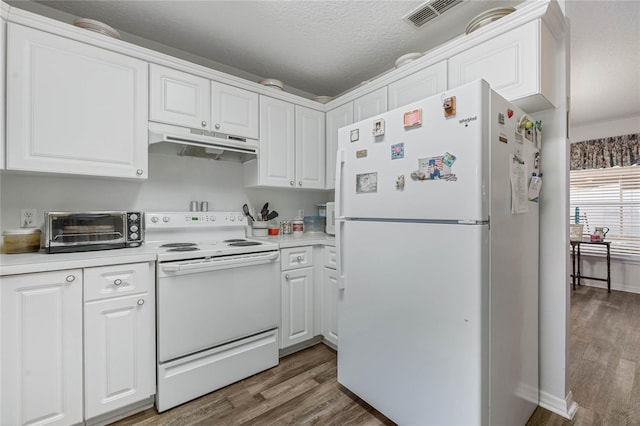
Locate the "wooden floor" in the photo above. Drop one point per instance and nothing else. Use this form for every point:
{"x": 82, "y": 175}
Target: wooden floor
{"x": 302, "y": 389}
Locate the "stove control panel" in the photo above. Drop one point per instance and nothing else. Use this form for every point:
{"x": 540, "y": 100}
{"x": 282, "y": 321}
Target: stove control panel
{"x": 194, "y": 219}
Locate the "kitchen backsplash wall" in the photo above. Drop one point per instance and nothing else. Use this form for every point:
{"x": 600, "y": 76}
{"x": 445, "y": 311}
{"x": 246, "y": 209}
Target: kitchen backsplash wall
{"x": 173, "y": 182}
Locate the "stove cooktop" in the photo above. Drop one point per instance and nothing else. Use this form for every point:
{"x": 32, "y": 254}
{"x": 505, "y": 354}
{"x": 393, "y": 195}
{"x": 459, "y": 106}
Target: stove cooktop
{"x": 179, "y": 250}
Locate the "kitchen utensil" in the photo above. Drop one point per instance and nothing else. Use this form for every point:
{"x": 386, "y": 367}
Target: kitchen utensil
{"x": 245, "y": 210}
{"x": 265, "y": 211}
{"x": 260, "y": 228}
{"x": 272, "y": 215}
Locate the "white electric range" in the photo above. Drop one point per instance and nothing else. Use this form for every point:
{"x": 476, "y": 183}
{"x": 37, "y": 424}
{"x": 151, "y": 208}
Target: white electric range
{"x": 218, "y": 302}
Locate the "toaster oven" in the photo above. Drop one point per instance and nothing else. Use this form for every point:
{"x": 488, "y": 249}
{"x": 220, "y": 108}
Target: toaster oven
{"x": 67, "y": 232}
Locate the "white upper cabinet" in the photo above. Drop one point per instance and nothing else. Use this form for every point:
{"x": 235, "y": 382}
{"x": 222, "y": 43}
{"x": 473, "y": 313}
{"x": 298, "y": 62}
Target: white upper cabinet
{"x": 179, "y": 98}
{"x": 3, "y": 59}
{"x": 73, "y": 108}
{"x": 310, "y": 148}
{"x": 371, "y": 104}
{"x": 519, "y": 65}
{"x": 276, "y": 161}
{"x": 419, "y": 85}
{"x": 336, "y": 118}
{"x": 234, "y": 111}
{"x": 292, "y": 147}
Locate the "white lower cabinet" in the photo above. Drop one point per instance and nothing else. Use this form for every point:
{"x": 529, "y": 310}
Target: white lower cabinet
{"x": 296, "y": 324}
{"x": 330, "y": 296}
{"x": 119, "y": 337}
{"x": 41, "y": 364}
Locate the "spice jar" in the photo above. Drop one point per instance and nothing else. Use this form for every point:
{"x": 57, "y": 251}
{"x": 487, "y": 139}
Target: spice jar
{"x": 22, "y": 240}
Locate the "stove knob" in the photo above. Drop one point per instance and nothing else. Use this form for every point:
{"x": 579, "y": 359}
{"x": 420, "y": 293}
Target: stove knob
{"x": 134, "y": 236}
{"x": 133, "y": 217}
{"x": 154, "y": 219}
{"x": 240, "y": 218}
{"x": 212, "y": 218}
{"x": 133, "y": 228}
{"x": 166, "y": 219}
{"x": 232, "y": 218}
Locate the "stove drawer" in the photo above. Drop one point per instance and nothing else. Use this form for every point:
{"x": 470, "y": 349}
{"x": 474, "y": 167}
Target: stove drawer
{"x": 104, "y": 282}
{"x": 296, "y": 257}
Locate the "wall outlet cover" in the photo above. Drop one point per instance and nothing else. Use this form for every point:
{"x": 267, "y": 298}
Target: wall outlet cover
{"x": 28, "y": 218}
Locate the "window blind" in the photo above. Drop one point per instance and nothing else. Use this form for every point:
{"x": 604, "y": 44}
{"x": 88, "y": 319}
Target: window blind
{"x": 609, "y": 197}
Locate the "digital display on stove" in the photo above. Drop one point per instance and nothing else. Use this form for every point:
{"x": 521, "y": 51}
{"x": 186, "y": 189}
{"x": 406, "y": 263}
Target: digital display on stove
{"x": 195, "y": 218}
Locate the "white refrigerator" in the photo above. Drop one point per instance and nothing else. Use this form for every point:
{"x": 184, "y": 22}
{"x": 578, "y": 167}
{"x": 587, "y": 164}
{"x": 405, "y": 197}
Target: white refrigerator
{"x": 437, "y": 239}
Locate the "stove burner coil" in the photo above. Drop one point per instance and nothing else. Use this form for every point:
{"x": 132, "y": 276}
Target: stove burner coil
{"x": 184, "y": 248}
{"x": 245, "y": 243}
{"x": 179, "y": 245}
{"x": 234, "y": 240}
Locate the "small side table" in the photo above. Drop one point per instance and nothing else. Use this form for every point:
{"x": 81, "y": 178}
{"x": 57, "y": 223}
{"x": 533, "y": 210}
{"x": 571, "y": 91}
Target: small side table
{"x": 577, "y": 276}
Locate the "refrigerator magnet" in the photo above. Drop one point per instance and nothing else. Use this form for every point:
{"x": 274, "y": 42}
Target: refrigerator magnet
{"x": 435, "y": 168}
{"x": 366, "y": 183}
{"x": 503, "y": 138}
{"x": 400, "y": 183}
{"x": 412, "y": 118}
{"x": 378, "y": 127}
{"x": 355, "y": 135}
{"x": 397, "y": 151}
{"x": 361, "y": 153}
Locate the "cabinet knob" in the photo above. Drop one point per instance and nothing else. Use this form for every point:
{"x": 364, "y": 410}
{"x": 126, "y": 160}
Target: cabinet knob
{"x": 117, "y": 281}
{"x": 139, "y": 172}
{"x": 140, "y": 302}
{"x": 217, "y": 126}
{"x": 291, "y": 183}
{"x": 286, "y": 277}
{"x": 300, "y": 183}
{"x": 299, "y": 259}
{"x": 70, "y": 278}
{"x": 204, "y": 124}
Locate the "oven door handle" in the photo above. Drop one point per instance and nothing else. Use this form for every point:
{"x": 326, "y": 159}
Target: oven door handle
{"x": 220, "y": 263}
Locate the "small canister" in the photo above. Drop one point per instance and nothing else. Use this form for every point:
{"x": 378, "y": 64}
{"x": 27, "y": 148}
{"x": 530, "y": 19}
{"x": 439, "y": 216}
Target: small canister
{"x": 285, "y": 227}
{"x": 298, "y": 226}
{"x": 204, "y": 206}
{"x": 22, "y": 240}
{"x": 194, "y": 206}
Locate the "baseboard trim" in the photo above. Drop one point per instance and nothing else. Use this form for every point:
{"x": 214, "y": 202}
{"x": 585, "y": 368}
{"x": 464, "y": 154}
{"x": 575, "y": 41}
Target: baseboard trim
{"x": 566, "y": 407}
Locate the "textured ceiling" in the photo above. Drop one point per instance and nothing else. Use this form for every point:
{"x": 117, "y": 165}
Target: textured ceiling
{"x": 327, "y": 47}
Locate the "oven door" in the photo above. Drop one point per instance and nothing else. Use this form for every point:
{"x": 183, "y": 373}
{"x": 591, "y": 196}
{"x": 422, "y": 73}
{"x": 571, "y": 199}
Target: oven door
{"x": 204, "y": 303}
{"x": 69, "y": 232}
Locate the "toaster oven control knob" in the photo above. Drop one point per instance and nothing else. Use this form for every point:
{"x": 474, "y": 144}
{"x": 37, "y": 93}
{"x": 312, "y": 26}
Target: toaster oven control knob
{"x": 133, "y": 228}
{"x": 166, "y": 219}
{"x": 134, "y": 236}
{"x": 154, "y": 219}
{"x": 133, "y": 216}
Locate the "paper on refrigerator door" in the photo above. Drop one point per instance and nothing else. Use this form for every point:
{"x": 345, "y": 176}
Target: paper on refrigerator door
{"x": 517, "y": 174}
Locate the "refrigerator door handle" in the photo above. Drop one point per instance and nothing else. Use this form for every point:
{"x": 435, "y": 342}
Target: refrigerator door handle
{"x": 339, "y": 251}
{"x": 338, "y": 200}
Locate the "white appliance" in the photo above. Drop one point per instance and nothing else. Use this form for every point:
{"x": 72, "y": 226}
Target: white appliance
{"x": 438, "y": 322}
{"x": 218, "y": 303}
{"x": 330, "y": 227}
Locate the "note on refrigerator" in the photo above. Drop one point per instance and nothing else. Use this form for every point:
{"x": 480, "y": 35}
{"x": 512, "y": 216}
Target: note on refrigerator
{"x": 517, "y": 173}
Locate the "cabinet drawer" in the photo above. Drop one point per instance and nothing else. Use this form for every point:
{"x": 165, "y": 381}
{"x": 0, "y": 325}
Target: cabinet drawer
{"x": 117, "y": 280}
{"x": 296, "y": 257}
{"x": 330, "y": 257}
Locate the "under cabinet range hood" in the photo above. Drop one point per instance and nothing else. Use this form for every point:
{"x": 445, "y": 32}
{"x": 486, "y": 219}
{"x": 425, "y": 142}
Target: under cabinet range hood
{"x": 200, "y": 143}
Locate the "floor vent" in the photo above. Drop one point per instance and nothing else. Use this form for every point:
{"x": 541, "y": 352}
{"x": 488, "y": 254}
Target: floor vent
{"x": 428, "y": 11}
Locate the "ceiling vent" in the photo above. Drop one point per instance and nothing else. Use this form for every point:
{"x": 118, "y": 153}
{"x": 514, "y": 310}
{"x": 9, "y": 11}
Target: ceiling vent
{"x": 429, "y": 11}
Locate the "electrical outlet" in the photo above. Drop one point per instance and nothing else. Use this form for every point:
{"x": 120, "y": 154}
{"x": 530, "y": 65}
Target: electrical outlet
{"x": 28, "y": 218}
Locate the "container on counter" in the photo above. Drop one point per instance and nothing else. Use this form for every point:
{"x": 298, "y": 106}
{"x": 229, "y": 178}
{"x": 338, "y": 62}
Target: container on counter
{"x": 298, "y": 223}
{"x": 21, "y": 240}
{"x": 260, "y": 228}
{"x": 273, "y": 228}
{"x": 314, "y": 223}
{"x": 322, "y": 210}
{"x": 285, "y": 227}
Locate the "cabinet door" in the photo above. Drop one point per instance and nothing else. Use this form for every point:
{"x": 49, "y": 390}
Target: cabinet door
{"x": 119, "y": 352}
{"x": 512, "y": 63}
{"x": 371, "y": 104}
{"x": 310, "y": 148}
{"x": 179, "y": 98}
{"x": 3, "y": 62}
{"x": 73, "y": 108}
{"x": 277, "y": 143}
{"x": 234, "y": 111}
{"x": 419, "y": 85}
{"x": 336, "y": 118}
{"x": 297, "y": 306}
{"x": 330, "y": 294}
{"x": 41, "y": 364}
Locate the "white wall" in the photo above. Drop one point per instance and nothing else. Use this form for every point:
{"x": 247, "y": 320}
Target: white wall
{"x": 173, "y": 182}
{"x": 604, "y": 129}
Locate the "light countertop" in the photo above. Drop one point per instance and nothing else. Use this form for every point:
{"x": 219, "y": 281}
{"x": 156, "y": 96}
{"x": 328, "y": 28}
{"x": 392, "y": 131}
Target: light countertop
{"x": 25, "y": 263}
